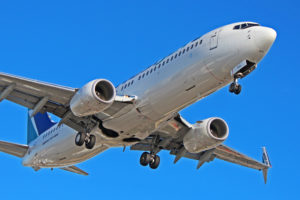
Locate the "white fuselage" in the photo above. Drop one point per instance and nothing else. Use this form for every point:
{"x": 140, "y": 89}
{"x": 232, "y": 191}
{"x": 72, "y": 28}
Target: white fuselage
{"x": 163, "y": 89}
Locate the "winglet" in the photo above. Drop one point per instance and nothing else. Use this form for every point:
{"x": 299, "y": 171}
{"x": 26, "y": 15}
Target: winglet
{"x": 266, "y": 161}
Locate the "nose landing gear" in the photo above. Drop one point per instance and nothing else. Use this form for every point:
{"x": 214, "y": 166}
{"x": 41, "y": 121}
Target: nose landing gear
{"x": 235, "y": 87}
{"x": 150, "y": 159}
{"x": 88, "y": 139}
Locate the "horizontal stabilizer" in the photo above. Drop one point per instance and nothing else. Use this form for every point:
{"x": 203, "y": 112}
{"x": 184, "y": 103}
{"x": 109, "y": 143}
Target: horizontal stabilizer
{"x": 75, "y": 169}
{"x": 13, "y": 149}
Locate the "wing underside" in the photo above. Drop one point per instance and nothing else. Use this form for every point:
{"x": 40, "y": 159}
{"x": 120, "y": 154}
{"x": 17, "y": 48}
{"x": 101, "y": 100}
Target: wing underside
{"x": 170, "y": 137}
{"x": 46, "y": 97}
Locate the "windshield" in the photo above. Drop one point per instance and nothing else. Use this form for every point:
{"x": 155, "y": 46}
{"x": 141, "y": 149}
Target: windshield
{"x": 244, "y": 26}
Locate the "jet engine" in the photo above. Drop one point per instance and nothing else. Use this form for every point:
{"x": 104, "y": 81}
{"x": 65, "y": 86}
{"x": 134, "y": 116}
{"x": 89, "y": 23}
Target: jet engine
{"x": 205, "y": 135}
{"x": 93, "y": 98}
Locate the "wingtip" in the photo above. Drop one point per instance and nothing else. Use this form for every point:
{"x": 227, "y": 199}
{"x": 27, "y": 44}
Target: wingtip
{"x": 265, "y": 158}
{"x": 266, "y": 161}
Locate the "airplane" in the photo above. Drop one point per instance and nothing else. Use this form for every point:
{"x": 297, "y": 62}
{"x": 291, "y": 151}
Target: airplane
{"x": 143, "y": 111}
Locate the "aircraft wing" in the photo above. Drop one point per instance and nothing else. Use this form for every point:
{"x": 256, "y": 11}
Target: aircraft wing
{"x": 13, "y": 149}
{"x": 170, "y": 137}
{"x": 226, "y": 153}
{"x": 46, "y": 97}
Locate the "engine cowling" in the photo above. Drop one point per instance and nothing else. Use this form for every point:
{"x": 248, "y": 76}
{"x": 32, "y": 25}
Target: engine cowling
{"x": 205, "y": 135}
{"x": 93, "y": 97}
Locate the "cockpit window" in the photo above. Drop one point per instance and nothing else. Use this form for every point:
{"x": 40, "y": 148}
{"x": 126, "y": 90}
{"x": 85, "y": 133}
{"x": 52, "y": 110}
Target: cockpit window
{"x": 252, "y": 24}
{"x": 236, "y": 27}
{"x": 244, "y": 26}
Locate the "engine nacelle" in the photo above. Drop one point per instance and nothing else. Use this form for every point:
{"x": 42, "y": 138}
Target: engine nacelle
{"x": 205, "y": 135}
{"x": 93, "y": 98}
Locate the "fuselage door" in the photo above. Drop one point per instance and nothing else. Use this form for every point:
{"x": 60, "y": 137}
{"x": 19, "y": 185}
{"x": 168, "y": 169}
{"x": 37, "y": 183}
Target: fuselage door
{"x": 213, "y": 41}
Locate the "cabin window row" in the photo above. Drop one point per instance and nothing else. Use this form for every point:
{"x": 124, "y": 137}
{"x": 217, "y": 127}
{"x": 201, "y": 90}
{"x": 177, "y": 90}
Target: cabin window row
{"x": 158, "y": 66}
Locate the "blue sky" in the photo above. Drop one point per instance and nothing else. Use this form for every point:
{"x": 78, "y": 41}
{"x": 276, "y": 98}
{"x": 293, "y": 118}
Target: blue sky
{"x": 73, "y": 42}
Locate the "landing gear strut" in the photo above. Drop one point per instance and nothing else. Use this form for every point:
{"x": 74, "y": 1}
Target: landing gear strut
{"x": 150, "y": 159}
{"x": 88, "y": 139}
{"x": 235, "y": 87}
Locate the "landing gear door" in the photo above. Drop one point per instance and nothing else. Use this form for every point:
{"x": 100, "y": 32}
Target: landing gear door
{"x": 213, "y": 41}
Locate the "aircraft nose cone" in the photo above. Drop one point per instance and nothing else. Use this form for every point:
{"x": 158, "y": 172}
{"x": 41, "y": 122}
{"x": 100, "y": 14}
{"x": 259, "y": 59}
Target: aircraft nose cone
{"x": 264, "y": 38}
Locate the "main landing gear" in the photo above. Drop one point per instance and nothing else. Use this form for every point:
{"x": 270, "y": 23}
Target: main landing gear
{"x": 150, "y": 159}
{"x": 88, "y": 139}
{"x": 235, "y": 87}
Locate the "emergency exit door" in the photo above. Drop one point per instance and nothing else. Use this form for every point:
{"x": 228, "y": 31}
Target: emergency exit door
{"x": 213, "y": 41}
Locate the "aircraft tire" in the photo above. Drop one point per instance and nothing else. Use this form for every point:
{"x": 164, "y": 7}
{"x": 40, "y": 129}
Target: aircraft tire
{"x": 231, "y": 87}
{"x": 91, "y": 143}
{"x": 238, "y": 89}
{"x": 79, "y": 139}
{"x": 145, "y": 159}
{"x": 155, "y": 163}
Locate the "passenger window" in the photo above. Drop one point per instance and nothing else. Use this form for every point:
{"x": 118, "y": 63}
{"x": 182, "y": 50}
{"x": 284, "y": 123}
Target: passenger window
{"x": 192, "y": 46}
{"x": 200, "y": 42}
{"x": 154, "y": 68}
{"x": 196, "y": 44}
{"x": 163, "y": 63}
{"x": 167, "y": 60}
{"x": 171, "y": 58}
{"x": 179, "y": 53}
{"x": 187, "y": 49}
{"x": 175, "y": 56}
{"x": 143, "y": 75}
{"x": 183, "y": 51}
{"x": 125, "y": 86}
{"x": 151, "y": 71}
{"x": 122, "y": 88}
{"x": 131, "y": 82}
{"x": 158, "y": 66}
{"x": 140, "y": 77}
{"x": 147, "y": 73}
